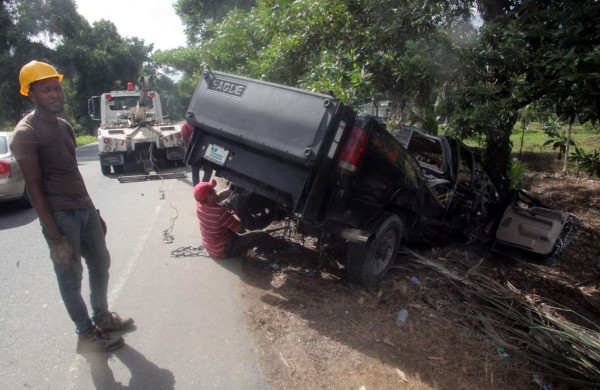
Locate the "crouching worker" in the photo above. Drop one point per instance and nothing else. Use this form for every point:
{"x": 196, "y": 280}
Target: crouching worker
{"x": 220, "y": 227}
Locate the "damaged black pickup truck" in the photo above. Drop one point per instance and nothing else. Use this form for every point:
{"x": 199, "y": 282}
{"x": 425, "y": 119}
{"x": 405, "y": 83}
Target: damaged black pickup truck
{"x": 344, "y": 179}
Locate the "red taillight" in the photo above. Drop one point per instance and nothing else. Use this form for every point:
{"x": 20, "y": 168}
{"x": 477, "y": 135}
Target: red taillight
{"x": 5, "y": 170}
{"x": 353, "y": 151}
{"x": 151, "y": 95}
{"x": 130, "y": 86}
{"x": 108, "y": 98}
{"x": 178, "y": 135}
{"x": 106, "y": 140}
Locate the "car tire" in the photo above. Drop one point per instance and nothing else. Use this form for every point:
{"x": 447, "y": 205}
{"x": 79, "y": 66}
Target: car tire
{"x": 367, "y": 264}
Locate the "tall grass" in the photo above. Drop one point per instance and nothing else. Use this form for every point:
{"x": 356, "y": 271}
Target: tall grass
{"x": 587, "y": 139}
{"x": 85, "y": 139}
{"x": 534, "y": 138}
{"x": 559, "y": 348}
{"x": 526, "y": 327}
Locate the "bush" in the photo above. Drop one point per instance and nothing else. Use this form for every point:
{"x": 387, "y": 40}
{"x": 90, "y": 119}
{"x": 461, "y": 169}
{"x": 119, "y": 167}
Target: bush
{"x": 85, "y": 139}
{"x": 591, "y": 128}
{"x": 558, "y": 139}
{"x": 590, "y": 162}
{"x": 516, "y": 172}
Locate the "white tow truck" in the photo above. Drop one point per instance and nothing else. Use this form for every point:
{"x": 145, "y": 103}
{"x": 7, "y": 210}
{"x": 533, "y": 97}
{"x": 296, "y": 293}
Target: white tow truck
{"x": 134, "y": 127}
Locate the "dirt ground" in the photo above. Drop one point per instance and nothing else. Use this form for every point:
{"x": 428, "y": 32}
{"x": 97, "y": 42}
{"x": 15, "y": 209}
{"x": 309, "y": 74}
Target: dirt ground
{"x": 317, "y": 331}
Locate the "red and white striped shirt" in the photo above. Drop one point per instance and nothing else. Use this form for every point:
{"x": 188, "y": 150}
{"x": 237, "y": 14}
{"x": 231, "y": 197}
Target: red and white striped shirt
{"x": 217, "y": 226}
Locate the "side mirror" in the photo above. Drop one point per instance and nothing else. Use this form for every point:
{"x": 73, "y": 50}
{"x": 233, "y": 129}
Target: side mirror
{"x": 166, "y": 108}
{"x": 94, "y": 108}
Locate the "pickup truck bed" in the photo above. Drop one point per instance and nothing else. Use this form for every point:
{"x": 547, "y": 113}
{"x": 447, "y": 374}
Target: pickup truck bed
{"x": 266, "y": 138}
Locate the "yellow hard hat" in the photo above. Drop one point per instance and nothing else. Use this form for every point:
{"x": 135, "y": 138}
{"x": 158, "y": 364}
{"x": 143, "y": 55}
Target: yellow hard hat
{"x": 36, "y": 71}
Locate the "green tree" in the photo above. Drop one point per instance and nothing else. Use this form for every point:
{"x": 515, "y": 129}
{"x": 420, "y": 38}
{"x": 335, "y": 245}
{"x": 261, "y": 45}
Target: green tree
{"x": 427, "y": 59}
{"x": 557, "y": 137}
{"x": 569, "y": 61}
{"x": 530, "y": 51}
{"x": 97, "y": 60}
{"x": 359, "y": 50}
{"x": 27, "y": 28}
{"x": 187, "y": 64}
{"x": 94, "y": 59}
{"x": 196, "y": 14}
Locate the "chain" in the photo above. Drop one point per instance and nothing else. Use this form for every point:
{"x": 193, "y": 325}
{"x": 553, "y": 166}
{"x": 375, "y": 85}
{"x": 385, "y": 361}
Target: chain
{"x": 167, "y": 236}
{"x": 189, "y": 251}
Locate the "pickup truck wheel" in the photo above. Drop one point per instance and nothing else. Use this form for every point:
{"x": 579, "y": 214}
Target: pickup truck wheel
{"x": 367, "y": 264}
{"x": 105, "y": 169}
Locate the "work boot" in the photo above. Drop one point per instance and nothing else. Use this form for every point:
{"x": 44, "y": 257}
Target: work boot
{"x": 112, "y": 322}
{"x": 95, "y": 341}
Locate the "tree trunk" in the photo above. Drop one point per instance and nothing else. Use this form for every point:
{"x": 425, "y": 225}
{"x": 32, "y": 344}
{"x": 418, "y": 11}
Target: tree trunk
{"x": 498, "y": 148}
{"x": 523, "y": 130}
{"x": 568, "y": 144}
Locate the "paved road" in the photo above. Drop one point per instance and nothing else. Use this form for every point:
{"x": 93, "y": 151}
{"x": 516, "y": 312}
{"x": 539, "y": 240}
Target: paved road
{"x": 190, "y": 332}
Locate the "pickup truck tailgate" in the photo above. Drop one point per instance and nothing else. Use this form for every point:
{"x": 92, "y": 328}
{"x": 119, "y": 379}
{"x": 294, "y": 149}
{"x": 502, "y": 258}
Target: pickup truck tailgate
{"x": 262, "y": 135}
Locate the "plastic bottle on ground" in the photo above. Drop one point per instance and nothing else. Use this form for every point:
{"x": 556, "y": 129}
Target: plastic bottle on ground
{"x": 401, "y": 318}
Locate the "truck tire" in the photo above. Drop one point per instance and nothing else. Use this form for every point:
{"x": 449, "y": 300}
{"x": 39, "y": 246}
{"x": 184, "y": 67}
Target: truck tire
{"x": 105, "y": 169}
{"x": 367, "y": 264}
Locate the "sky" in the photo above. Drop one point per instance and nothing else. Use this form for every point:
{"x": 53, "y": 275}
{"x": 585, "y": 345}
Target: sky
{"x": 154, "y": 21}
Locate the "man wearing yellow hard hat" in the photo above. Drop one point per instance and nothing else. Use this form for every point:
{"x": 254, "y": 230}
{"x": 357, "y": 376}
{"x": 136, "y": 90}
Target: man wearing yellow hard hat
{"x": 44, "y": 146}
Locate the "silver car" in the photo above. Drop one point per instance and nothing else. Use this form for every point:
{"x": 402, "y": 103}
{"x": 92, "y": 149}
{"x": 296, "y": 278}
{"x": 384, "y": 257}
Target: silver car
{"x": 12, "y": 184}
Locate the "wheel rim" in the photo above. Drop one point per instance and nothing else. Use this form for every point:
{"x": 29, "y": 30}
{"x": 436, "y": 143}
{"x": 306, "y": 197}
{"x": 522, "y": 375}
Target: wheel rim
{"x": 383, "y": 251}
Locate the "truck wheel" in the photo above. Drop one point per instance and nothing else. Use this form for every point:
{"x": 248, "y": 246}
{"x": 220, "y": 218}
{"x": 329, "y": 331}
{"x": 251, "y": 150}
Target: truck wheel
{"x": 118, "y": 169}
{"x": 105, "y": 169}
{"x": 367, "y": 264}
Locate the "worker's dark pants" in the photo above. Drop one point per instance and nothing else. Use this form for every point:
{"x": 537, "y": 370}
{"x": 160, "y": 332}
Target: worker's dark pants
{"x": 84, "y": 231}
{"x": 196, "y": 174}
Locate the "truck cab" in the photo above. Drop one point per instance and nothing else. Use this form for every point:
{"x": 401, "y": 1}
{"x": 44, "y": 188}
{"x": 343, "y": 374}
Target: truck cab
{"x": 113, "y": 107}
